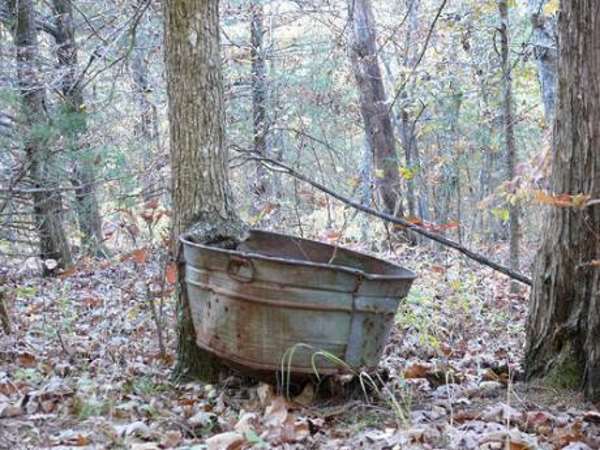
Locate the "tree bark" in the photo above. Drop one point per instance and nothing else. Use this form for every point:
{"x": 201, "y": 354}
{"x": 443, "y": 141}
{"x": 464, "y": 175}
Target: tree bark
{"x": 200, "y": 185}
{"x": 47, "y": 201}
{"x": 563, "y": 330}
{"x": 261, "y": 186}
{"x": 374, "y": 107}
{"x": 509, "y": 134}
{"x": 546, "y": 54}
{"x": 146, "y": 129}
{"x": 83, "y": 179}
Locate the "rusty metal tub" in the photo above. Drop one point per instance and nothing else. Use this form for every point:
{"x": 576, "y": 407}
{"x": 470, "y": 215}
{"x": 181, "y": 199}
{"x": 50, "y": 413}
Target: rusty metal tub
{"x": 275, "y": 294}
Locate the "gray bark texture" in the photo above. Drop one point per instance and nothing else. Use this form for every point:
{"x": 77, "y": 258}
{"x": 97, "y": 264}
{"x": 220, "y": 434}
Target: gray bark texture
{"x": 261, "y": 188}
{"x": 509, "y": 136}
{"x": 47, "y": 201}
{"x": 545, "y": 47}
{"x": 563, "y": 330}
{"x": 147, "y": 128}
{"x": 202, "y": 200}
{"x": 374, "y": 107}
{"x": 83, "y": 178}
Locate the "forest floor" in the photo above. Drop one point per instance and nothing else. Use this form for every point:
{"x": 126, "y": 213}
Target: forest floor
{"x": 82, "y": 368}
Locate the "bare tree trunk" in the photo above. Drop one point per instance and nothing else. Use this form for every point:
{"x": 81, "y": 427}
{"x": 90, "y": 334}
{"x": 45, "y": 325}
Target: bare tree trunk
{"x": 546, "y": 54}
{"x": 563, "y": 330}
{"x": 83, "y": 179}
{"x": 366, "y": 172}
{"x": 146, "y": 129}
{"x": 405, "y": 124}
{"x": 200, "y": 184}
{"x": 47, "y": 200}
{"x": 374, "y": 108}
{"x": 262, "y": 183}
{"x": 511, "y": 151}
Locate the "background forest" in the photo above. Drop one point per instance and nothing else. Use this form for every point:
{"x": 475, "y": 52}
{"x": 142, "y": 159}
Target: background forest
{"x": 290, "y": 93}
{"x": 466, "y": 96}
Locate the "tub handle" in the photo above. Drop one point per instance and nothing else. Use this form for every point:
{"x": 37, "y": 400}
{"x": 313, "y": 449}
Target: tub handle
{"x": 241, "y": 269}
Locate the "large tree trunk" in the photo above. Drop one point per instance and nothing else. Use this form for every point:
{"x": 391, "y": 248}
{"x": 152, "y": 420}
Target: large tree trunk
{"x": 546, "y": 54}
{"x": 374, "y": 107}
{"x": 509, "y": 135}
{"x": 200, "y": 185}
{"x": 83, "y": 178}
{"x": 47, "y": 201}
{"x": 563, "y": 331}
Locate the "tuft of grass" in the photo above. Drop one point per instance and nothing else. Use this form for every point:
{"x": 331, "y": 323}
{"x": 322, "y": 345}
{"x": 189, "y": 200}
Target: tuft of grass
{"x": 398, "y": 402}
{"x": 91, "y": 407}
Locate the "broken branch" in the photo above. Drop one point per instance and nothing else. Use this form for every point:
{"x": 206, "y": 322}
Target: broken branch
{"x": 272, "y": 164}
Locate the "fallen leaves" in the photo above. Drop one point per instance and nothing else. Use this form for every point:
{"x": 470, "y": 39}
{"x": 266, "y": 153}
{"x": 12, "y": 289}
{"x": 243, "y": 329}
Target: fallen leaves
{"x": 447, "y": 366}
{"x": 276, "y": 426}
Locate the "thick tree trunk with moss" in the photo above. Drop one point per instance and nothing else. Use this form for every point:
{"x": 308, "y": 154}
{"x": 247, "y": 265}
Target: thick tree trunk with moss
{"x": 83, "y": 177}
{"x": 563, "y": 331}
{"x": 47, "y": 201}
{"x": 200, "y": 185}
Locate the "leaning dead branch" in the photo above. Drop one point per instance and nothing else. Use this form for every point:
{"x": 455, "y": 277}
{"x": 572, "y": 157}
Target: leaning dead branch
{"x": 278, "y": 166}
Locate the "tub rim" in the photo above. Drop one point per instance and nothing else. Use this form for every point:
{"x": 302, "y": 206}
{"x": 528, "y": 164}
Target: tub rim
{"x": 408, "y": 274}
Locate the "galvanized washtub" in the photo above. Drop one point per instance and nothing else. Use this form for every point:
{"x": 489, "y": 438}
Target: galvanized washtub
{"x": 276, "y": 297}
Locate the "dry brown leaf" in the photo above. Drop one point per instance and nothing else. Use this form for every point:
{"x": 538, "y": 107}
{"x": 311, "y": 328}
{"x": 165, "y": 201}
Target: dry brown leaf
{"x": 9, "y": 410}
{"x": 566, "y": 435}
{"x": 247, "y": 423}
{"x": 518, "y": 446}
{"x": 592, "y": 416}
{"x": 68, "y": 272}
{"x": 7, "y": 387}
{"x": 276, "y": 413}
{"x": 171, "y": 273}
{"x": 307, "y": 395}
{"x": 171, "y": 439}
{"x": 417, "y": 370}
{"x": 535, "y": 419}
{"x": 438, "y": 269}
{"x": 265, "y": 394}
{"x": 140, "y": 256}
{"x": 74, "y": 438}
{"x": 226, "y": 441}
{"x": 26, "y": 360}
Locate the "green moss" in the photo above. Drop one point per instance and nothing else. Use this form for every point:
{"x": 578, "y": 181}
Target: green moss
{"x": 566, "y": 372}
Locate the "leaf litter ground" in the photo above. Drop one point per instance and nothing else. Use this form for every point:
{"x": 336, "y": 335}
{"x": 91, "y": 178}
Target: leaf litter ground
{"x": 83, "y": 369}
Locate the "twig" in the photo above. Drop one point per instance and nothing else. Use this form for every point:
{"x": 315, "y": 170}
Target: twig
{"x": 397, "y": 220}
{"x": 4, "y": 314}
{"x": 420, "y": 58}
{"x": 66, "y": 349}
{"x": 157, "y": 321}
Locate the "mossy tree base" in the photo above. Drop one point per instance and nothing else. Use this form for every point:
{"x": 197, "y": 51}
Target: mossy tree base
{"x": 563, "y": 330}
